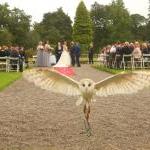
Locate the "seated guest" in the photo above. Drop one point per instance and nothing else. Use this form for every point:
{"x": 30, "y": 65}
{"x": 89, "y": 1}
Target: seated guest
{"x": 126, "y": 49}
{"x": 2, "y": 51}
{"x": 148, "y": 46}
{"x": 21, "y": 58}
{"x": 15, "y": 54}
{"x": 7, "y": 51}
{"x": 131, "y": 47}
{"x": 144, "y": 48}
{"x": 137, "y": 54}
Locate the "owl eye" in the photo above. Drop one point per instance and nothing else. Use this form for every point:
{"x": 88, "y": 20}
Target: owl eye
{"x": 83, "y": 85}
{"x": 89, "y": 84}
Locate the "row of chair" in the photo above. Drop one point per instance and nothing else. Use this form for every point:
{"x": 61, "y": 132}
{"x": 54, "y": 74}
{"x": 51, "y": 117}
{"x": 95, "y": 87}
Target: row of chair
{"x": 126, "y": 61}
{"x": 9, "y": 64}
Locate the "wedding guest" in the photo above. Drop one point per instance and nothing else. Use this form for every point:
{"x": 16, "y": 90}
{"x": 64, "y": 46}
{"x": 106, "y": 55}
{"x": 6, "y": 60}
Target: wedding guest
{"x": 15, "y": 54}
{"x": 40, "y": 49}
{"x": 72, "y": 53}
{"x": 77, "y": 54}
{"x": 144, "y": 48}
{"x": 21, "y": 58}
{"x": 91, "y": 53}
{"x": 58, "y": 51}
{"x": 137, "y": 54}
{"x": 148, "y": 46}
{"x": 47, "y": 53}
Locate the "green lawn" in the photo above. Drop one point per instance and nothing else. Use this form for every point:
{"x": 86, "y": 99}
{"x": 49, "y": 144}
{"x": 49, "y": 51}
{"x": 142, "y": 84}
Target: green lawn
{"x": 109, "y": 70}
{"x": 6, "y": 78}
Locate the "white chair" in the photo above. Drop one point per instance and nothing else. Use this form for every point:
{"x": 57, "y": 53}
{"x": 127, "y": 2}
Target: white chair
{"x": 13, "y": 64}
{"x": 127, "y": 61}
{"x": 146, "y": 60}
{"x": 138, "y": 62}
{"x": 117, "y": 61}
{"x": 4, "y": 63}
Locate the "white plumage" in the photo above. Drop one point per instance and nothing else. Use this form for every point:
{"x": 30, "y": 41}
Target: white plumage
{"x": 86, "y": 89}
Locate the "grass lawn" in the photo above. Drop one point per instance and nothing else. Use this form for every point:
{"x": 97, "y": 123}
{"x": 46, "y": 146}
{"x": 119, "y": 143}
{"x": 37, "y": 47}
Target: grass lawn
{"x": 109, "y": 70}
{"x": 6, "y": 78}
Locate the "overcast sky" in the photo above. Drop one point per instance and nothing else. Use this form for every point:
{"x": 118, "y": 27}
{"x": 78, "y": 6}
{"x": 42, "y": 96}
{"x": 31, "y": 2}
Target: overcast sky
{"x": 36, "y": 8}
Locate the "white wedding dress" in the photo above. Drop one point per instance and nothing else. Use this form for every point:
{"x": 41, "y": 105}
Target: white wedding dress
{"x": 65, "y": 59}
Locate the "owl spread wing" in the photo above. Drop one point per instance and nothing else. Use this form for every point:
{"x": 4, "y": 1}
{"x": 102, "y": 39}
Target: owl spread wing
{"x": 124, "y": 83}
{"x": 52, "y": 81}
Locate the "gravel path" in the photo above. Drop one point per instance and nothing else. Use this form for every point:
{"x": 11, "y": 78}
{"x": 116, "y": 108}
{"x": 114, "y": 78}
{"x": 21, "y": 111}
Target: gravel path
{"x": 34, "y": 119}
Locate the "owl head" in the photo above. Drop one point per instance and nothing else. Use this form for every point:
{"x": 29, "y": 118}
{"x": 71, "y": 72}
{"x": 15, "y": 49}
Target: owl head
{"x": 86, "y": 85}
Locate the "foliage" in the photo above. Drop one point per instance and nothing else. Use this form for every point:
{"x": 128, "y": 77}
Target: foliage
{"x": 138, "y": 27}
{"x": 7, "y": 78}
{"x": 30, "y": 52}
{"x": 82, "y": 28}
{"x": 55, "y": 26}
{"x": 16, "y": 24}
{"x": 112, "y": 23}
{"x": 5, "y": 37}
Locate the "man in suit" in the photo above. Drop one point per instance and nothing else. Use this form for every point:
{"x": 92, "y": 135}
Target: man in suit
{"x": 91, "y": 53}
{"x": 72, "y": 53}
{"x": 58, "y": 51}
{"x": 77, "y": 52}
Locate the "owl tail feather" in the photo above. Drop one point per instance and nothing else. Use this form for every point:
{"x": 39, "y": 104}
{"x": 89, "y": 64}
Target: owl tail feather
{"x": 79, "y": 101}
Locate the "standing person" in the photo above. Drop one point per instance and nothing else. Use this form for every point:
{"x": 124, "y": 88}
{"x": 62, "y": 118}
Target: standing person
{"x": 91, "y": 53}
{"x": 65, "y": 59}
{"x": 40, "y": 59}
{"x": 58, "y": 51}
{"x": 72, "y": 53}
{"x": 77, "y": 51}
{"x": 64, "y": 64}
{"x": 137, "y": 53}
{"x": 47, "y": 52}
{"x": 21, "y": 58}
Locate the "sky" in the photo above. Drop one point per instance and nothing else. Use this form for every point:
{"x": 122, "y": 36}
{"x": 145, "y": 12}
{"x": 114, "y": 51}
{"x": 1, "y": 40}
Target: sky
{"x": 36, "y": 8}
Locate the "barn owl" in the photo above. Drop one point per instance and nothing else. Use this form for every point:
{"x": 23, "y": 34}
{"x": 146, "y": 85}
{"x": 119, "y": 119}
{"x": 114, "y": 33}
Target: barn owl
{"x": 86, "y": 89}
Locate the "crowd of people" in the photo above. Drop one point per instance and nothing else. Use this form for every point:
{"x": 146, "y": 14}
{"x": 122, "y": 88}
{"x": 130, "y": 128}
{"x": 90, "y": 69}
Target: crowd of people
{"x": 108, "y": 53}
{"x": 65, "y": 54}
{"x": 14, "y": 52}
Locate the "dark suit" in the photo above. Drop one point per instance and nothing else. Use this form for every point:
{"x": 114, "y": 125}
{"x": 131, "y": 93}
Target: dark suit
{"x": 58, "y": 53}
{"x": 90, "y": 55}
{"x": 72, "y": 54}
{"x": 77, "y": 52}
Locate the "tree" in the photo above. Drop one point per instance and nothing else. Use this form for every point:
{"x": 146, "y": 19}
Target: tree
{"x": 4, "y": 15}
{"x": 138, "y": 26}
{"x": 101, "y": 25}
{"x": 112, "y": 23}
{"x": 5, "y": 37}
{"x": 16, "y": 25}
{"x": 82, "y": 28}
{"x": 55, "y": 26}
{"x": 19, "y": 26}
{"x": 121, "y": 22}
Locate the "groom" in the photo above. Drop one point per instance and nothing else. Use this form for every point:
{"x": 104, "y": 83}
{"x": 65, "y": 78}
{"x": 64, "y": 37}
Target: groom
{"x": 77, "y": 52}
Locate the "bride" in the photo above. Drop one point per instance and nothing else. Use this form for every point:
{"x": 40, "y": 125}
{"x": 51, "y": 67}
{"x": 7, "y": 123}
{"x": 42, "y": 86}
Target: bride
{"x": 65, "y": 59}
{"x": 64, "y": 64}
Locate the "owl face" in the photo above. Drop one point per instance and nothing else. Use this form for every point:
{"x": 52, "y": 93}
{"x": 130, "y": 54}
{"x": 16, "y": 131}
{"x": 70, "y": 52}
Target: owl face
{"x": 86, "y": 85}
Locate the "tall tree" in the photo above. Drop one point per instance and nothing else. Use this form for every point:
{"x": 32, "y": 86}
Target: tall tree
{"x": 138, "y": 26}
{"x": 121, "y": 22}
{"x": 19, "y": 26}
{"x": 101, "y": 25}
{"x": 55, "y": 26}
{"x": 5, "y": 37}
{"x": 82, "y": 28}
{"x": 4, "y": 15}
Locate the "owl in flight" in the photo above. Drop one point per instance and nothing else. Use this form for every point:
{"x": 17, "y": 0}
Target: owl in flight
{"x": 86, "y": 89}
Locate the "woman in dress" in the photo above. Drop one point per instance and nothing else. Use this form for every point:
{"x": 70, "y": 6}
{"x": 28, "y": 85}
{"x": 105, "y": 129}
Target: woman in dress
{"x": 64, "y": 64}
{"x": 47, "y": 61}
{"x": 40, "y": 49}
